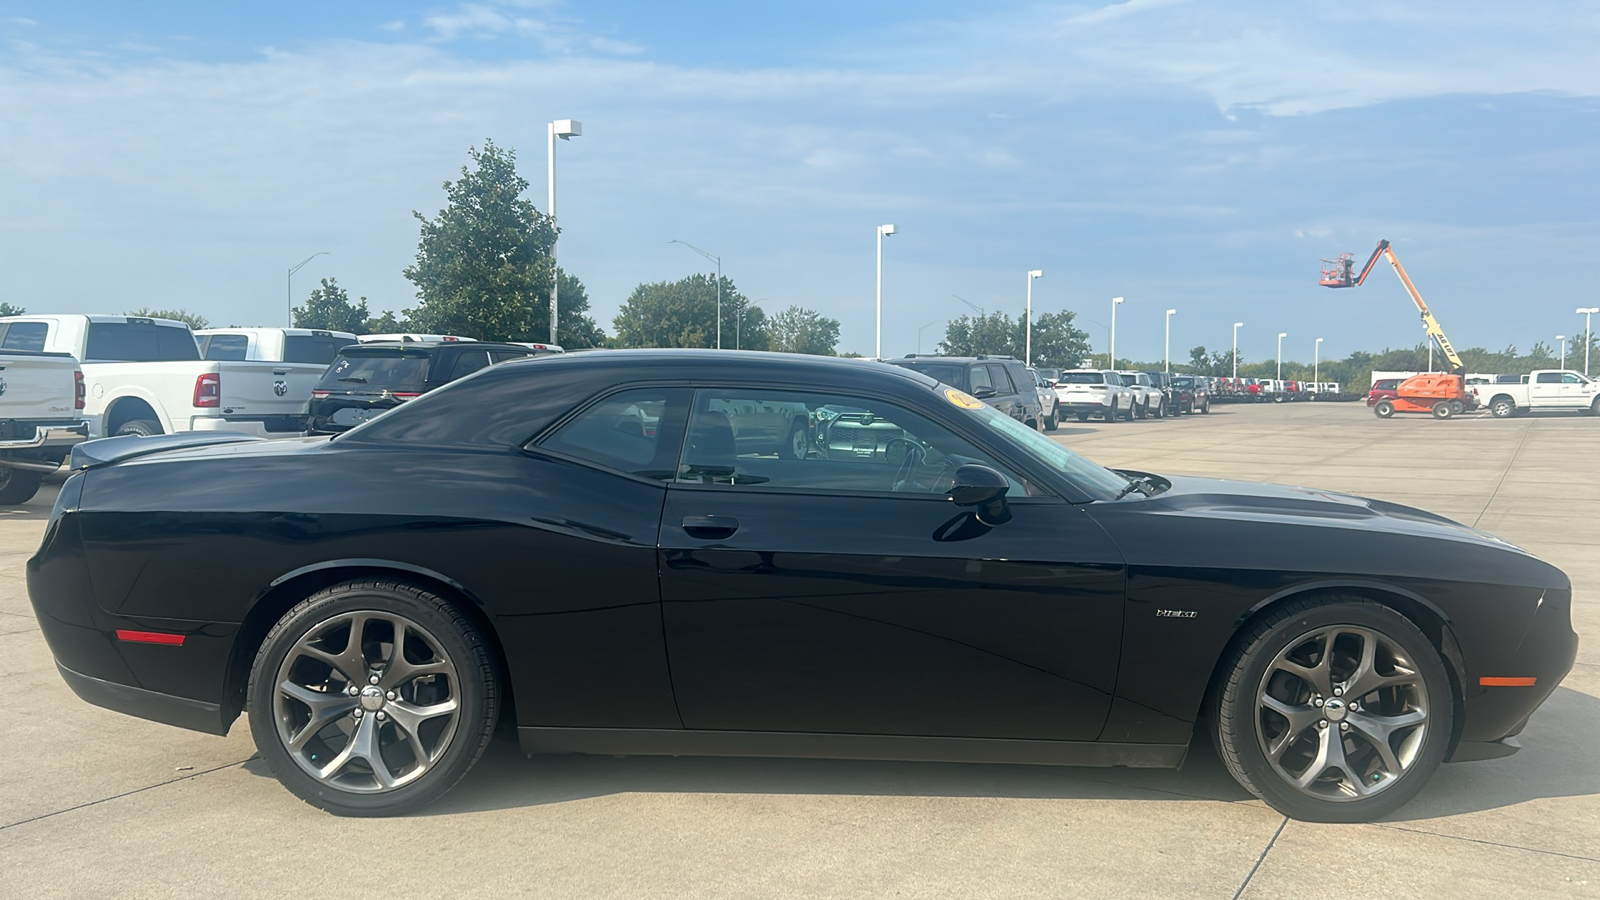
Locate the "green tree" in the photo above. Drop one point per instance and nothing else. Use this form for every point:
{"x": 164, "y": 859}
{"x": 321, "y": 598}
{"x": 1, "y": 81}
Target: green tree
{"x": 329, "y": 307}
{"x": 385, "y": 324}
{"x": 1056, "y": 341}
{"x": 193, "y": 320}
{"x": 800, "y": 330}
{"x": 483, "y": 266}
{"x": 7, "y": 309}
{"x": 683, "y": 313}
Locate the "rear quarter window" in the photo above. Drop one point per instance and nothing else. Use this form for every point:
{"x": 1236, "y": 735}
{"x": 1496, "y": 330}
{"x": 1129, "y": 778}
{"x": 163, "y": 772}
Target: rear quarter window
{"x": 226, "y": 346}
{"x": 140, "y": 342}
{"x": 376, "y": 372}
{"x": 312, "y": 348}
{"x": 24, "y": 336}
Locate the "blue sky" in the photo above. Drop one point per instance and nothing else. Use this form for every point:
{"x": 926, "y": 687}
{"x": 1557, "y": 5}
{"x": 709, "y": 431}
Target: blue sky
{"x": 1194, "y": 156}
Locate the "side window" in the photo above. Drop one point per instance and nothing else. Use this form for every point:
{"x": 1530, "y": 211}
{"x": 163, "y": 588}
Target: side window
{"x": 1549, "y": 377}
{"x": 637, "y": 431}
{"x": 1569, "y": 378}
{"x": 469, "y": 362}
{"x": 496, "y": 357}
{"x": 226, "y": 346}
{"x": 1001, "y": 379}
{"x": 980, "y": 378}
{"x": 822, "y": 442}
{"x": 25, "y": 336}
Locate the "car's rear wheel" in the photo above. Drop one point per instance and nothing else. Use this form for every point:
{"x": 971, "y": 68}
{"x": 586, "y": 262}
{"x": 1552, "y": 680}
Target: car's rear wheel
{"x": 1333, "y": 710}
{"x": 372, "y": 698}
{"x": 1140, "y": 411}
{"x": 1443, "y": 410}
{"x": 18, "y": 485}
{"x": 799, "y": 446}
{"x": 1383, "y": 409}
{"x": 140, "y": 427}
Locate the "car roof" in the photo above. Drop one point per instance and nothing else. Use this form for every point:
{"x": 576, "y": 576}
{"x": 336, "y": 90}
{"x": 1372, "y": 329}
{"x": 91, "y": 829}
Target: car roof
{"x": 690, "y": 363}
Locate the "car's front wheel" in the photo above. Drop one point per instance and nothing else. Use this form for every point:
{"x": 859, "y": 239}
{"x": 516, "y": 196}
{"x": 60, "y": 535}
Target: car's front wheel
{"x": 372, "y": 698}
{"x": 18, "y": 486}
{"x": 1333, "y": 710}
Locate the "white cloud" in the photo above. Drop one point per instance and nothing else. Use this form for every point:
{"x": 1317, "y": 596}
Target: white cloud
{"x": 396, "y": 25}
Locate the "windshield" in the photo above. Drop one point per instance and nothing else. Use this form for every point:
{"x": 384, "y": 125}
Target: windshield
{"x": 1081, "y": 378}
{"x": 373, "y": 373}
{"x": 1092, "y": 478}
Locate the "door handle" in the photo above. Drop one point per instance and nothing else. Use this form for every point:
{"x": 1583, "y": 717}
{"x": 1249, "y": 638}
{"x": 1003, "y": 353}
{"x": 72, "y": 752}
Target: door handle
{"x": 710, "y": 528}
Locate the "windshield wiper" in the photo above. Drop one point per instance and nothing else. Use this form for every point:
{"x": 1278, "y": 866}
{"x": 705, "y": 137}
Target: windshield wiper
{"x": 1142, "y": 485}
{"x": 355, "y": 379}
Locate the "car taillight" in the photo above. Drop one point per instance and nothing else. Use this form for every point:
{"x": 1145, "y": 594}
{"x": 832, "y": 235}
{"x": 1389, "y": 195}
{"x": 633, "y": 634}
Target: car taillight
{"x": 405, "y": 395}
{"x": 320, "y": 395}
{"x": 78, "y": 392}
{"x": 208, "y": 390}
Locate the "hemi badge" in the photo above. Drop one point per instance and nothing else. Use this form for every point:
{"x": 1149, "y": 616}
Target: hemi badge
{"x": 150, "y": 637}
{"x": 1488, "y": 681}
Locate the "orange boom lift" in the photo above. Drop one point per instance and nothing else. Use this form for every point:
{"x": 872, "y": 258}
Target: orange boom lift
{"x": 1444, "y": 394}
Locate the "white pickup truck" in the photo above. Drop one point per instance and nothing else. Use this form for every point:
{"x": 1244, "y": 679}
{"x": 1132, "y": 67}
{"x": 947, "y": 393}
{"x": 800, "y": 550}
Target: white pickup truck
{"x": 41, "y": 398}
{"x": 145, "y": 376}
{"x": 1541, "y": 389}
{"x": 298, "y": 345}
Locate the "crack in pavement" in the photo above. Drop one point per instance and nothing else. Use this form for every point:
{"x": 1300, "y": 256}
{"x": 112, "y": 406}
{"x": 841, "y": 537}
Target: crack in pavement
{"x": 1262, "y": 858}
{"x": 148, "y": 787}
{"x": 1456, "y": 837}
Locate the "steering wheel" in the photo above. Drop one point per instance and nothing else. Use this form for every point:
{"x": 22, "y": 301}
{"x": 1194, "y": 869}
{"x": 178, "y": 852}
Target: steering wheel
{"x": 907, "y": 472}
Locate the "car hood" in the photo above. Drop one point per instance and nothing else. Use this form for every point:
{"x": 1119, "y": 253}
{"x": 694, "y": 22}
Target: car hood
{"x": 1268, "y": 503}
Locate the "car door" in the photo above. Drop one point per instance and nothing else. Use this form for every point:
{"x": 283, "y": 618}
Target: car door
{"x": 809, "y": 595}
{"x": 1006, "y": 398}
{"x": 1546, "y": 390}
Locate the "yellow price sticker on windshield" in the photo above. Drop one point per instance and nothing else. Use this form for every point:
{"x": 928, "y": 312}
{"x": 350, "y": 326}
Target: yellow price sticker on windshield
{"x": 963, "y": 399}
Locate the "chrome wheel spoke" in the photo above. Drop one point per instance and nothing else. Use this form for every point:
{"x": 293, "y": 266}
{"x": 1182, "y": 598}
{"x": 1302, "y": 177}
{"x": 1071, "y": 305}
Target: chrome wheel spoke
{"x": 351, "y": 662}
{"x": 408, "y": 719}
{"x": 1300, "y": 717}
{"x": 1330, "y": 755}
{"x": 398, "y": 670}
{"x": 325, "y": 707}
{"x": 363, "y": 746}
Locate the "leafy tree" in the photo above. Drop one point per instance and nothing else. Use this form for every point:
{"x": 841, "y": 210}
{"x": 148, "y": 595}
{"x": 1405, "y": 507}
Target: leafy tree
{"x": 683, "y": 313}
{"x": 483, "y": 266}
{"x": 851, "y": 355}
{"x": 384, "y": 324}
{"x": 7, "y": 309}
{"x": 800, "y": 330}
{"x": 1056, "y": 341}
{"x": 330, "y": 308}
{"x": 193, "y": 320}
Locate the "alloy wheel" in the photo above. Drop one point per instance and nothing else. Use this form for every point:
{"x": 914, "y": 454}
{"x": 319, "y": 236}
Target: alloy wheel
{"x": 1342, "y": 713}
{"x": 367, "y": 702}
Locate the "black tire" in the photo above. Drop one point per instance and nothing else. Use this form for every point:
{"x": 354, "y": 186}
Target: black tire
{"x": 1139, "y": 411}
{"x": 454, "y": 643}
{"x": 1110, "y": 414}
{"x": 1457, "y": 407}
{"x": 1205, "y": 408}
{"x": 1383, "y": 409}
{"x": 140, "y": 427}
{"x": 1242, "y": 724}
{"x": 17, "y": 486}
{"x": 1443, "y": 410}
{"x": 1594, "y": 408}
{"x": 797, "y": 445}
{"x": 1053, "y": 421}
{"x": 1502, "y": 408}
{"x": 1160, "y": 410}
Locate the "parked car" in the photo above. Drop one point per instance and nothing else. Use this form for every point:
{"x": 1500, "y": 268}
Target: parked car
{"x": 1089, "y": 392}
{"x": 1384, "y": 389}
{"x": 369, "y": 379}
{"x": 1147, "y": 398}
{"x": 512, "y": 544}
{"x": 1544, "y": 389}
{"x": 1003, "y": 382}
{"x": 145, "y": 376}
{"x": 300, "y": 345}
{"x": 41, "y": 417}
{"x": 1170, "y": 405}
{"x": 1193, "y": 393}
{"x": 1049, "y": 403}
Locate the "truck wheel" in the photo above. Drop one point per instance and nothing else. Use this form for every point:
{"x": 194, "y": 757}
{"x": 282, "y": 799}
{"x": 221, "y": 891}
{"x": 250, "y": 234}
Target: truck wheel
{"x": 140, "y": 427}
{"x": 799, "y": 445}
{"x": 1502, "y": 408}
{"x": 1594, "y": 408}
{"x": 1442, "y": 410}
{"x": 17, "y": 486}
{"x": 1457, "y": 407}
{"x": 1053, "y": 421}
{"x": 1383, "y": 409}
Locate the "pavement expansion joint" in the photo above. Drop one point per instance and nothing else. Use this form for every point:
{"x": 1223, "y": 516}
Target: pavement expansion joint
{"x": 149, "y": 787}
{"x": 1260, "y": 859}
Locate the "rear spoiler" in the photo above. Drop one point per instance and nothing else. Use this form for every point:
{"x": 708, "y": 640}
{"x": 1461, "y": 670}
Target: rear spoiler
{"x": 106, "y": 451}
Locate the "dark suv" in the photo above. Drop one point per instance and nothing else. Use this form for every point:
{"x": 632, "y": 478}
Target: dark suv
{"x": 367, "y": 379}
{"x": 1192, "y": 392}
{"x": 1003, "y": 382}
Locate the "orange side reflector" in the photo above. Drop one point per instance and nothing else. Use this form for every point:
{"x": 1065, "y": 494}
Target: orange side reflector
{"x": 1487, "y": 681}
{"x": 150, "y": 637}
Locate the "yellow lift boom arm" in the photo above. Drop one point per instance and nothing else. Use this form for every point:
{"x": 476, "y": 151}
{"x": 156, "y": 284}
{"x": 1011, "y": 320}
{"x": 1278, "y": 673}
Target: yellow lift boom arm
{"x": 1343, "y": 275}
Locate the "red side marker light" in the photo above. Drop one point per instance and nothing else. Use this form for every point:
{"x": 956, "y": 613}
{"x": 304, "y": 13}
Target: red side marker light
{"x": 150, "y": 637}
{"x": 1488, "y": 681}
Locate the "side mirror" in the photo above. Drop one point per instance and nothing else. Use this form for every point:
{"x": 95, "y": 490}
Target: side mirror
{"x": 983, "y": 393}
{"x": 980, "y": 486}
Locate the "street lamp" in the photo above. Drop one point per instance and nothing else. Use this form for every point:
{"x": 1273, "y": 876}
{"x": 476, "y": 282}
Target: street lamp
{"x": 289, "y": 292}
{"x": 1027, "y": 342}
{"x": 981, "y": 311}
{"x": 924, "y": 328}
{"x": 883, "y": 231}
{"x": 1115, "y": 302}
{"x": 566, "y": 129}
{"x": 1563, "y": 339}
{"x": 1281, "y": 336}
{"x": 1236, "y": 327}
{"x": 1587, "y": 335}
{"x": 718, "y": 261}
{"x": 1168, "y": 354}
{"x": 1316, "y": 367}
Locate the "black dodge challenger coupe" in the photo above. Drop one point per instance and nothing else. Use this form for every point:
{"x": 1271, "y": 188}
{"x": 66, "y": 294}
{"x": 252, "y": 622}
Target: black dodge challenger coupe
{"x": 580, "y": 543}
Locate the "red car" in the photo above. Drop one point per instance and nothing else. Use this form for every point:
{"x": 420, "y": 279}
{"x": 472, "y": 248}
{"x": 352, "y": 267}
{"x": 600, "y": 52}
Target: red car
{"x": 1383, "y": 389}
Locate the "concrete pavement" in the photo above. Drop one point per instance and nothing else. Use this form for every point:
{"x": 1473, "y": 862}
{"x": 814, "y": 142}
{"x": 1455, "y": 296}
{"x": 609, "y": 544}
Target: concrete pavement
{"x": 92, "y": 802}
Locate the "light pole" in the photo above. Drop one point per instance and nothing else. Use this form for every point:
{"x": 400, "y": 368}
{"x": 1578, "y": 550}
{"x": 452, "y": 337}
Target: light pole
{"x": 1563, "y": 339}
{"x": 981, "y": 310}
{"x": 883, "y": 232}
{"x": 718, "y": 261}
{"x": 566, "y": 129}
{"x": 924, "y": 328}
{"x": 1316, "y": 367}
{"x": 1027, "y": 342}
{"x": 289, "y": 290}
{"x": 1115, "y": 302}
{"x": 1168, "y": 354}
{"x": 1236, "y": 327}
{"x": 1281, "y": 336}
{"x": 1587, "y": 335}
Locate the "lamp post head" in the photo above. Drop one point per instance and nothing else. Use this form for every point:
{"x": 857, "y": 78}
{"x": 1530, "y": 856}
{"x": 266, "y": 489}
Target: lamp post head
{"x": 1589, "y": 309}
{"x": 1171, "y": 311}
{"x": 1238, "y": 324}
{"x": 1561, "y": 337}
{"x": 1116, "y": 300}
{"x": 886, "y": 230}
{"x": 566, "y": 129}
{"x": 1283, "y": 334}
{"x": 1319, "y": 340}
{"x": 1035, "y": 273}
